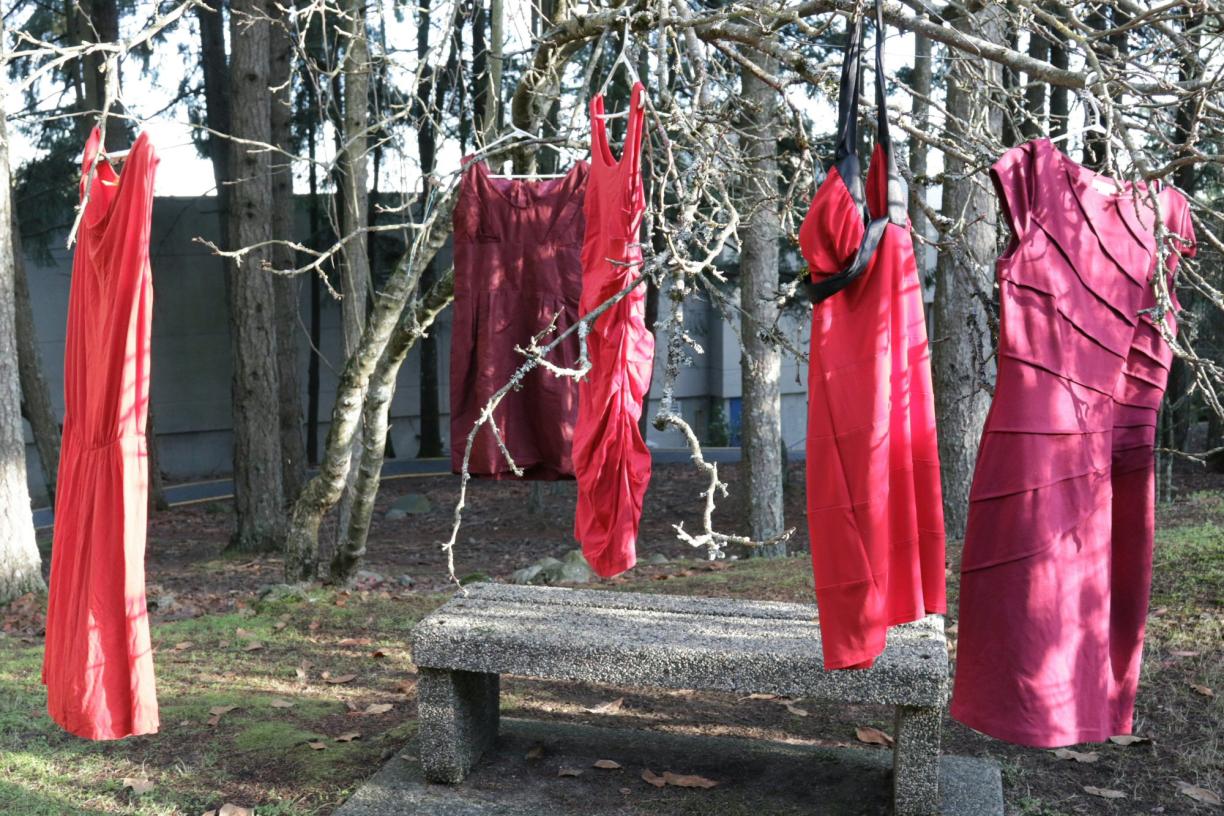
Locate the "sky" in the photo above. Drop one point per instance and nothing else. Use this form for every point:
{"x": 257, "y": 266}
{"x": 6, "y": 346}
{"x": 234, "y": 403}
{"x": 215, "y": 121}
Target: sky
{"x": 184, "y": 172}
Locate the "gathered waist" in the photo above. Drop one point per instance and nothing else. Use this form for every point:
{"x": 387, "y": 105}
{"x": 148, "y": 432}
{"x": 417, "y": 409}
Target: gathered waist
{"x": 83, "y": 445}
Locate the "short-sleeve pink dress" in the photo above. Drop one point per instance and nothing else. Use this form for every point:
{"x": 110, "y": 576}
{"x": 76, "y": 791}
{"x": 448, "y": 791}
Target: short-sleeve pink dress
{"x": 1058, "y": 551}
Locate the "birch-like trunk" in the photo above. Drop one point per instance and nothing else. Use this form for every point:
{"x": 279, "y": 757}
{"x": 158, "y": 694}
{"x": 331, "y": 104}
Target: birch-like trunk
{"x": 418, "y": 317}
{"x": 35, "y": 395}
{"x": 354, "y": 216}
{"x": 761, "y": 363}
{"x": 962, "y": 354}
{"x": 20, "y": 564}
{"x": 258, "y": 485}
{"x": 323, "y": 491}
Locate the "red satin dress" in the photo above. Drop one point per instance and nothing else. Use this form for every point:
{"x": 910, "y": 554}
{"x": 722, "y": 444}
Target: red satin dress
{"x": 1057, "y": 563}
{"x": 518, "y": 270}
{"x": 874, "y": 503}
{"x": 98, "y": 663}
{"x": 611, "y": 459}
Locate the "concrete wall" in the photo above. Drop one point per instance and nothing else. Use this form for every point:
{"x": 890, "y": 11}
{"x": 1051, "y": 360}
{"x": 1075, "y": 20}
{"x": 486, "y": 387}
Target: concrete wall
{"x": 191, "y": 353}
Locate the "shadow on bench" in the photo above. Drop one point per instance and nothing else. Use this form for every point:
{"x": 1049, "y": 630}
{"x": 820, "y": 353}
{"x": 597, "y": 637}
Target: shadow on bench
{"x": 663, "y": 641}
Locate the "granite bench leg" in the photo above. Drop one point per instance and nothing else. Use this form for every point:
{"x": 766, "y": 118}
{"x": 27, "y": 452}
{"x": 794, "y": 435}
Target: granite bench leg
{"x": 916, "y": 761}
{"x": 458, "y": 715}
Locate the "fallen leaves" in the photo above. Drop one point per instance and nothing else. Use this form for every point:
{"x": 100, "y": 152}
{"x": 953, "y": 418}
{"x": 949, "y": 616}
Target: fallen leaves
{"x": 406, "y": 687}
{"x": 338, "y": 679}
{"x": 611, "y": 707}
{"x": 1077, "y": 756}
{"x": 254, "y": 646}
{"x": 218, "y": 712}
{"x": 279, "y": 703}
{"x": 688, "y": 780}
{"x": 569, "y": 772}
{"x": 873, "y": 736}
{"x": 378, "y": 708}
{"x": 138, "y": 785}
{"x": 1104, "y": 793}
{"x": 182, "y": 646}
{"x": 317, "y": 745}
{"x": 1128, "y": 739}
{"x": 363, "y": 641}
{"x": 1199, "y": 794}
{"x": 349, "y": 736}
{"x": 231, "y": 810}
{"x": 606, "y": 764}
{"x": 535, "y": 752}
{"x": 677, "y": 780}
{"x": 1203, "y": 690}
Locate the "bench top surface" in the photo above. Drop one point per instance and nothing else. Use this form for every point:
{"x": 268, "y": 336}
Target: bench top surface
{"x": 670, "y": 641}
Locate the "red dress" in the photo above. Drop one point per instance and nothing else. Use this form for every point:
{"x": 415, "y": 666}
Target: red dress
{"x": 1058, "y": 550}
{"x": 610, "y": 457}
{"x": 518, "y": 267}
{"x": 98, "y": 663}
{"x": 875, "y": 511}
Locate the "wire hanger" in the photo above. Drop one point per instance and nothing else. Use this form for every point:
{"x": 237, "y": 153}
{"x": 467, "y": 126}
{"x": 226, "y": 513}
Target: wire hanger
{"x": 622, "y": 59}
{"x": 516, "y": 132}
{"x": 1092, "y": 125}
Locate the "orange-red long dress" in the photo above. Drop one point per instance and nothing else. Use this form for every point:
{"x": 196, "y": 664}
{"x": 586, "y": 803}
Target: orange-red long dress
{"x": 98, "y": 664}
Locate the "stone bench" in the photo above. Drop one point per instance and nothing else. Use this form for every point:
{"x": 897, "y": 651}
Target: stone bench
{"x": 663, "y": 641}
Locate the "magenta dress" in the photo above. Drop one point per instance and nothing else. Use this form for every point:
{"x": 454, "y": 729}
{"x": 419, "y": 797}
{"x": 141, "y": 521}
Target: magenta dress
{"x": 1058, "y": 551}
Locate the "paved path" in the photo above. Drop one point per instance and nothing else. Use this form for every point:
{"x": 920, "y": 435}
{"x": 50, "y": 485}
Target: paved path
{"x": 217, "y": 489}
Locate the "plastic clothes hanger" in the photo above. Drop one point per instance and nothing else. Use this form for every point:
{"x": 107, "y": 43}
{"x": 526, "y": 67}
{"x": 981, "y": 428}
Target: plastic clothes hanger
{"x": 622, "y": 59}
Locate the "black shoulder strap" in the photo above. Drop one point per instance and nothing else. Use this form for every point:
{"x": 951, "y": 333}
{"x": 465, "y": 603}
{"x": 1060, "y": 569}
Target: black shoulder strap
{"x": 897, "y": 205}
{"x": 845, "y": 159}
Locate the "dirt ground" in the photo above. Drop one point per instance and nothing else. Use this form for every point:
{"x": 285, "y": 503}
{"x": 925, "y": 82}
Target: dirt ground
{"x": 194, "y": 585}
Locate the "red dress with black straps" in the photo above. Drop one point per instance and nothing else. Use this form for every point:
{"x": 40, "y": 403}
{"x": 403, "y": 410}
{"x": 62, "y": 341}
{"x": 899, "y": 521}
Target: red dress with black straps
{"x": 98, "y": 662}
{"x": 875, "y": 508}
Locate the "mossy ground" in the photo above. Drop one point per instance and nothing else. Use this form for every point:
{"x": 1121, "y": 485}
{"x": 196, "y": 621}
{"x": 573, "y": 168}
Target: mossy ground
{"x": 258, "y": 754}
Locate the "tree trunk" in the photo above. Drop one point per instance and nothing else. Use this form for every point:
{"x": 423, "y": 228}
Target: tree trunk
{"x": 417, "y": 318}
{"x": 963, "y": 344}
{"x": 35, "y": 395}
{"x": 323, "y": 491}
{"x": 157, "y": 486}
{"x": 258, "y": 485}
{"x": 761, "y": 363}
{"x": 354, "y": 196}
{"x": 430, "y": 436}
{"x": 20, "y": 563}
{"x": 1059, "y": 95}
{"x": 285, "y": 288}
{"x": 920, "y": 114}
{"x": 1033, "y": 120}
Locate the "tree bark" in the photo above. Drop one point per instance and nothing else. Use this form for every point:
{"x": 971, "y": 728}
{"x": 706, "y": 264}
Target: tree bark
{"x": 920, "y": 114}
{"x": 416, "y": 321}
{"x": 323, "y": 491}
{"x": 285, "y": 288}
{"x": 962, "y": 352}
{"x": 1033, "y": 122}
{"x": 35, "y": 395}
{"x": 761, "y": 362}
{"x": 354, "y": 195}
{"x": 258, "y": 482}
{"x": 20, "y": 563}
{"x": 430, "y": 435}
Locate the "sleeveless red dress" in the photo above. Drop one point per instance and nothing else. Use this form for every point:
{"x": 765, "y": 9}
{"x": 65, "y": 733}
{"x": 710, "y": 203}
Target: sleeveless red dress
{"x": 1057, "y": 563}
{"x": 98, "y": 663}
{"x": 874, "y": 503}
{"x": 518, "y": 268}
{"x": 611, "y": 459}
